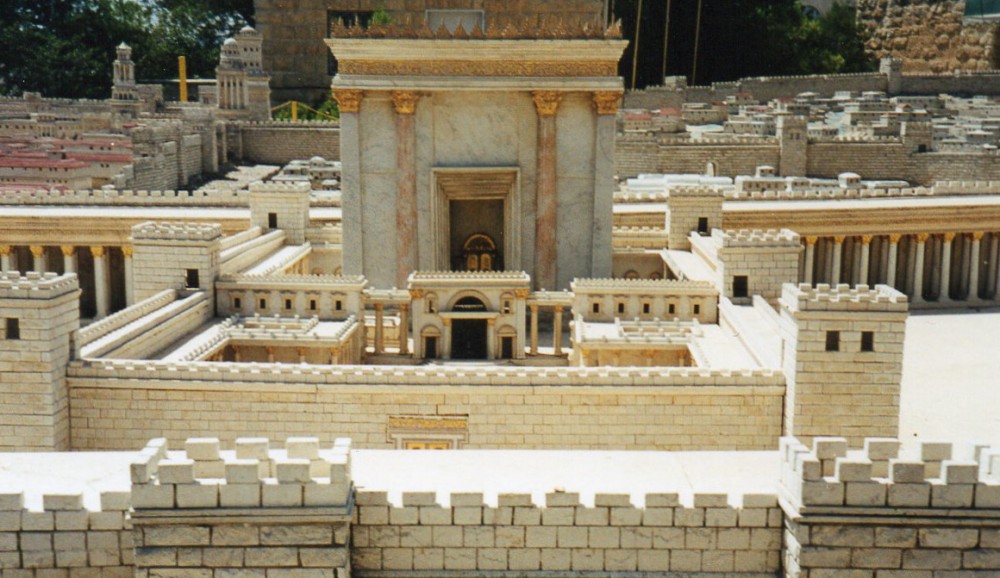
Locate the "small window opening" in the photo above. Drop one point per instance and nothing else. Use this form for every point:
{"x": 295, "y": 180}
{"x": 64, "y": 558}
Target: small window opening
{"x": 645, "y": 308}
{"x": 833, "y": 341}
{"x": 671, "y": 308}
{"x": 697, "y": 309}
{"x": 262, "y": 304}
{"x": 702, "y": 225}
{"x": 272, "y": 220}
{"x": 595, "y": 308}
{"x": 237, "y": 303}
{"x": 338, "y": 305}
{"x": 741, "y": 286}
{"x": 867, "y": 341}
{"x": 312, "y": 305}
{"x": 621, "y": 308}
{"x": 13, "y": 328}
{"x": 288, "y": 303}
{"x": 192, "y": 279}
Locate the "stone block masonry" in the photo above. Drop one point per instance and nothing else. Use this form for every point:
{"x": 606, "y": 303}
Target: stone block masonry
{"x": 278, "y": 143}
{"x": 249, "y": 512}
{"x": 880, "y": 512}
{"x": 514, "y": 533}
{"x": 38, "y": 314}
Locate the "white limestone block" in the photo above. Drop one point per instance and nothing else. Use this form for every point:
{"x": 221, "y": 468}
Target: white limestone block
{"x": 202, "y": 449}
{"x": 284, "y": 495}
{"x": 252, "y": 448}
{"x": 12, "y": 502}
{"x": 55, "y": 502}
{"x": 239, "y": 495}
{"x": 292, "y": 470}
{"x": 302, "y": 448}
{"x": 149, "y": 496}
{"x": 326, "y": 494}
{"x": 179, "y": 471}
{"x": 243, "y": 471}
{"x": 198, "y": 496}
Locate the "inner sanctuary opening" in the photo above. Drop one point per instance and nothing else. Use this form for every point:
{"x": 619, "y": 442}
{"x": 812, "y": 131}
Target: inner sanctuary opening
{"x": 476, "y": 234}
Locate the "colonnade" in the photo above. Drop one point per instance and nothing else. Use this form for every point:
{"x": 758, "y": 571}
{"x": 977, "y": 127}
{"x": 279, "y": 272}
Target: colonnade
{"x": 557, "y": 323}
{"x": 938, "y": 267}
{"x": 111, "y": 290}
{"x": 403, "y": 312}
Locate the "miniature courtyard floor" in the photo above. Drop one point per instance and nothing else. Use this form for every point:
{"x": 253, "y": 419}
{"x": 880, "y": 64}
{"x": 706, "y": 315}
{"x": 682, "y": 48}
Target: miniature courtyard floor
{"x": 951, "y": 377}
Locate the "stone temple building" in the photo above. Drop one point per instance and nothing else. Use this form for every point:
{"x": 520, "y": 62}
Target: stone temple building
{"x": 243, "y": 400}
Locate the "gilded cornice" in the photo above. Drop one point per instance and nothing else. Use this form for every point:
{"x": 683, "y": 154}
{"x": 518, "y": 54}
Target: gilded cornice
{"x": 482, "y": 68}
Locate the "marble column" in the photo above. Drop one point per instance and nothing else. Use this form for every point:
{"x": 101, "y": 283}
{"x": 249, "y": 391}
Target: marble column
{"x": 38, "y": 258}
{"x": 270, "y": 354}
{"x": 404, "y": 328}
{"x": 405, "y": 103}
{"x": 890, "y": 274}
{"x": 491, "y": 339}
{"x": 69, "y": 258}
{"x": 866, "y": 246}
{"x": 446, "y": 339}
{"x": 101, "y": 294}
{"x": 977, "y": 238}
{"x": 534, "y": 329}
{"x": 945, "y": 281}
{"x": 5, "y": 252}
{"x": 557, "y": 330}
{"x": 918, "y": 269}
{"x": 838, "y": 255}
{"x": 127, "y": 252}
{"x": 349, "y": 103}
{"x": 606, "y": 105}
{"x": 519, "y": 309}
{"x": 379, "y": 330}
{"x": 546, "y": 201}
{"x": 810, "y": 259}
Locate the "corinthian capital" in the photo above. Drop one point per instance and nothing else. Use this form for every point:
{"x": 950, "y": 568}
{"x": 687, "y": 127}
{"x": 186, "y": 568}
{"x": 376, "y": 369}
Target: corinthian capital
{"x": 546, "y": 101}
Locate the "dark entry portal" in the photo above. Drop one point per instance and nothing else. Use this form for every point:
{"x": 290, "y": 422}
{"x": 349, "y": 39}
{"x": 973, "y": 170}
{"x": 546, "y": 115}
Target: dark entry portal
{"x": 468, "y": 339}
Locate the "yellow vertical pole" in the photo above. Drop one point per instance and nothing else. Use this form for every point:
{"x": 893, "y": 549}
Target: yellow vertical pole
{"x": 182, "y": 76}
{"x": 635, "y": 55}
{"x": 295, "y": 111}
{"x": 697, "y": 39}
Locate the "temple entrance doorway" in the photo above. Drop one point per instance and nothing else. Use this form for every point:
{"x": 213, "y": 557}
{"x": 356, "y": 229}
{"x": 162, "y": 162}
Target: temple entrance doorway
{"x": 468, "y": 338}
{"x": 476, "y": 230}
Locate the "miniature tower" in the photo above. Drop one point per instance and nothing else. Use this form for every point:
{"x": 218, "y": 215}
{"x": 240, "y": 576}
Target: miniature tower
{"x": 281, "y": 206}
{"x": 792, "y": 140}
{"x": 843, "y": 360}
{"x": 892, "y": 68}
{"x": 229, "y": 77}
{"x": 917, "y": 136}
{"x": 38, "y": 315}
{"x": 692, "y": 209}
{"x": 242, "y": 86}
{"x": 751, "y": 262}
{"x": 123, "y": 85}
{"x": 175, "y": 256}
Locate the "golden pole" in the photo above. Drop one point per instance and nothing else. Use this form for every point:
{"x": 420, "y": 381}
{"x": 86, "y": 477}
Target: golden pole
{"x": 697, "y": 38}
{"x": 635, "y": 55}
{"x": 182, "y": 75}
{"x": 666, "y": 38}
{"x": 295, "y": 111}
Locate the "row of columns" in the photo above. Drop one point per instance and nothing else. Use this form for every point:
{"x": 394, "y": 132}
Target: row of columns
{"x": 40, "y": 263}
{"x": 557, "y": 315}
{"x": 546, "y": 103}
{"x": 940, "y": 267}
{"x": 404, "y": 328}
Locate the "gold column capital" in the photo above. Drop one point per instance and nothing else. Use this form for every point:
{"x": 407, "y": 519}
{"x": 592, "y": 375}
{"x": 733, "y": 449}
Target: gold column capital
{"x": 533, "y": 307}
{"x": 546, "y": 101}
{"x": 37, "y": 250}
{"x": 866, "y": 239}
{"x": 446, "y": 321}
{"x": 948, "y": 237}
{"x": 404, "y": 307}
{"x": 417, "y": 293}
{"x": 379, "y": 307}
{"x": 839, "y": 239}
{"x": 922, "y": 237}
{"x": 607, "y": 102}
{"x": 895, "y": 238}
{"x": 405, "y": 101}
{"x": 811, "y": 241}
{"x": 978, "y": 235}
{"x": 128, "y": 251}
{"x": 522, "y": 293}
{"x": 6, "y": 250}
{"x": 97, "y": 252}
{"x": 68, "y": 250}
{"x": 348, "y": 99}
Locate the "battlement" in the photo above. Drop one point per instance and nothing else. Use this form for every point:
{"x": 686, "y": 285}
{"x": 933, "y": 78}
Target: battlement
{"x": 823, "y": 297}
{"x": 175, "y": 231}
{"x": 35, "y": 285}
{"x": 291, "y": 282}
{"x": 203, "y": 476}
{"x": 755, "y": 238}
{"x": 625, "y": 286}
{"x": 278, "y": 187}
{"x": 879, "y": 476}
{"x": 693, "y": 192}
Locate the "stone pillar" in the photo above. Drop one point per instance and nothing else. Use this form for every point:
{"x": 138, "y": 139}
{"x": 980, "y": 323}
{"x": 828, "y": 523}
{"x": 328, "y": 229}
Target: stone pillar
{"x": 349, "y": 102}
{"x": 491, "y": 339}
{"x": 270, "y": 354}
{"x": 810, "y": 259}
{"x": 519, "y": 309}
{"x": 546, "y": 201}
{"x": 534, "y": 329}
{"x": 890, "y": 274}
{"x": 866, "y": 246}
{"x": 838, "y": 255}
{"x": 405, "y": 103}
{"x": 302, "y": 355}
{"x": 557, "y": 330}
{"x": 977, "y": 238}
{"x": 404, "y": 328}
{"x": 992, "y": 270}
{"x": 945, "y": 281}
{"x": 606, "y": 105}
{"x": 38, "y": 254}
{"x": 69, "y": 258}
{"x": 446, "y": 339}
{"x": 127, "y": 252}
{"x": 334, "y": 356}
{"x": 5, "y": 252}
{"x": 918, "y": 269}
{"x": 101, "y": 293}
{"x": 379, "y": 330}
